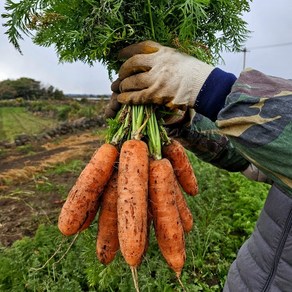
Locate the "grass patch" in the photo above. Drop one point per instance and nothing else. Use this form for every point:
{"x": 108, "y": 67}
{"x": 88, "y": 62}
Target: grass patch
{"x": 44, "y": 184}
{"x": 17, "y": 120}
{"x": 25, "y": 149}
{"x": 73, "y": 166}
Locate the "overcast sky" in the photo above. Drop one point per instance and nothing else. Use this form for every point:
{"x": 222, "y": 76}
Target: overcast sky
{"x": 269, "y": 50}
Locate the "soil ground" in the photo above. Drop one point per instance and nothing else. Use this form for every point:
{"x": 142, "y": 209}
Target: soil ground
{"x": 24, "y": 201}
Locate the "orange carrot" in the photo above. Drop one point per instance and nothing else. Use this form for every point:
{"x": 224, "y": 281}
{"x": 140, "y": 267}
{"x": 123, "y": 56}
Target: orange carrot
{"x": 168, "y": 228}
{"x": 107, "y": 243}
{"x": 81, "y": 205}
{"x": 183, "y": 170}
{"x": 149, "y": 223}
{"x": 185, "y": 213}
{"x": 132, "y": 200}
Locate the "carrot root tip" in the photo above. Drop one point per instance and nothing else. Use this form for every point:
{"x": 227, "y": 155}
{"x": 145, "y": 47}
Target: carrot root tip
{"x": 135, "y": 278}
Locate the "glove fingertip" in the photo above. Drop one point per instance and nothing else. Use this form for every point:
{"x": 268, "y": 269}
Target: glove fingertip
{"x": 133, "y": 98}
{"x": 125, "y": 98}
{"x": 146, "y": 47}
{"x": 109, "y": 113}
{"x": 115, "y": 85}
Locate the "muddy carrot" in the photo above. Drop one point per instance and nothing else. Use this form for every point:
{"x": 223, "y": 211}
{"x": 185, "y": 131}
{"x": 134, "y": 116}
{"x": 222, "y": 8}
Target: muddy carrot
{"x": 149, "y": 223}
{"x": 107, "y": 243}
{"x": 185, "y": 213}
{"x": 176, "y": 154}
{"x": 81, "y": 205}
{"x": 132, "y": 200}
{"x": 168, "y": 228}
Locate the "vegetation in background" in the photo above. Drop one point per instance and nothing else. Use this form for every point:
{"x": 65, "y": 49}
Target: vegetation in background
{"x": 19, "y": 116}
{"x": 28, "y": 89}
{"x": 17, "y": 120}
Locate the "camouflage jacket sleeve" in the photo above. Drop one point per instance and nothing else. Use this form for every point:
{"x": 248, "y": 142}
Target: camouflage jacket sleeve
{"x": 257, "y": 118}
{"x": 202, "y": 138}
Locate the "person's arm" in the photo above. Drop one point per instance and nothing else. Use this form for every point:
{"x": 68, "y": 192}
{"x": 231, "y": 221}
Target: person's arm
{"x": 257, "y": 118}
{"x": 253, "y": 111}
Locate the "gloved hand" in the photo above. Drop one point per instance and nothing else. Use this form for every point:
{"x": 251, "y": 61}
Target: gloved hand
{"x": 171, "y": 117}
{"x": 113, "y": 106}
{"x": 160, "y": 75}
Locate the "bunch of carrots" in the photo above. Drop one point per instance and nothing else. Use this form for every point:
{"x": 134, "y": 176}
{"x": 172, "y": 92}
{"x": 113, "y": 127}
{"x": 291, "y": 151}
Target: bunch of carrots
{"x": 136, "y": 177}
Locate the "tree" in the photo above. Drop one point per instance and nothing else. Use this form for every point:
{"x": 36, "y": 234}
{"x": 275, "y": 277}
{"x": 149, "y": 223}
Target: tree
{"x": 27, "y": 88}
{"x": 96, "y": 30}
{"x": 23, "y": 87}
{"x": 7, "y": 91}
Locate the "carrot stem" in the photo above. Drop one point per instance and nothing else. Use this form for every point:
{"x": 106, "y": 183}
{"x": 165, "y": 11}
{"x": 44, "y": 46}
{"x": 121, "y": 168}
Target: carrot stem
{"x": 164, "y": 137}
{"x": 138, "y": 121}
{"x": 153, "y": 132}
{"x": 122, "y": 118}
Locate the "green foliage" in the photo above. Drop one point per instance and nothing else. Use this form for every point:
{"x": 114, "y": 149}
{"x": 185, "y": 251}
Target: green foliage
{"x": 21, "y": 263}
{"x": 87, "y": 112}
{"x": 248, "y": 194}
{"x": 97, "y": 30}
{"x": 41, "y": 106}
{"x": 225, "y": 212}
{"x": 63, "y": 113}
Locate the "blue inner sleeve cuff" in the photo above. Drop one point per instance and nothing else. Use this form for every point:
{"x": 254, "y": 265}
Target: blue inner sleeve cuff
{"x": 213, "y": 93}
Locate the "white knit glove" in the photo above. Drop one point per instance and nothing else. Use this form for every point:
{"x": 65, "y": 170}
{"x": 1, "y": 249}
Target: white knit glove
{"x": 160, "y": 75}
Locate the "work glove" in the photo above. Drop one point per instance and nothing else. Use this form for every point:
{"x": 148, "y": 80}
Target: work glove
{"x": 176, "y": 116}
{"x": 155, "y": 74}
{"x": 113, "y": 105}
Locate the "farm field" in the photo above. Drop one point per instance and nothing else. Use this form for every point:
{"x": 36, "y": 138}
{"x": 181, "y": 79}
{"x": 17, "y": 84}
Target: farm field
{"x": 34, "y": 182}
{"x": 17, "y": 120}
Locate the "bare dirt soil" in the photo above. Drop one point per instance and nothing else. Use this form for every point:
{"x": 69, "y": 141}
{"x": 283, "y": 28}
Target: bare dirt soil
{"x": 25, "y": 202}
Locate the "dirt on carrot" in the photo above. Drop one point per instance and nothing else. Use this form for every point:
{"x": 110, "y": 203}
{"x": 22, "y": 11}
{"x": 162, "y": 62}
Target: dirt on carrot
{"x": 184, "y": 211}
{"x": 132, "y": 200}
{"x": 81, "y": 205}
{"x": 167, "y": 224}
{"x": 107, "y": 243}
{"x": 184, "y": 172}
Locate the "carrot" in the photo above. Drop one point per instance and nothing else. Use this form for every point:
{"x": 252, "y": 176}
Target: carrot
{"x": 107, "y": 243}
{"x": 149, "y": 223}
{"x": 132, "y": 200}
{"x": 185, "y": 213}
{"x": 168, "y": 228}
{"x": 81, "y": 205}
{"x": 183, "y": 170}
